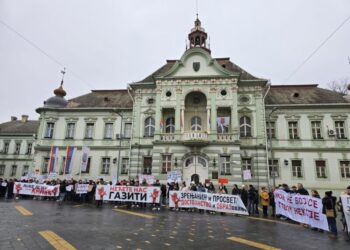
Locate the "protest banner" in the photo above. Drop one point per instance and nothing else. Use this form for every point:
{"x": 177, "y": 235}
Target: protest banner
{"x": 128, "y": 193}
{"x": 345, "y": 200}
{"x": 36, "y": 189}
{"x": 209, "y": 201}
{"x": 302, "y": 208}
{"x": 148, "y": 178}
{"x": 174, "y": 176}
{"x": 247, "y": 174}
{"x": 81, "y": 188}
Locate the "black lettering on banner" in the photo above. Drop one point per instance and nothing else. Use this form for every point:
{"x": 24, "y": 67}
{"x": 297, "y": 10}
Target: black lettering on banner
{"x": 130, "y": 196}
{"x": 144, "y": 197}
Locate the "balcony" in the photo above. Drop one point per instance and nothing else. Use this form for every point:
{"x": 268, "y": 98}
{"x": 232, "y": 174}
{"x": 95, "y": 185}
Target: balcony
{"x": 167, "y": 137}
{"x": 226, "y": 137}
{"x": 194, "y": 138}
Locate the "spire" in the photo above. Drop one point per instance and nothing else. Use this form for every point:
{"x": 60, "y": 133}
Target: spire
{"x": 60, "y": 91}
{"x": 198, "y": 36}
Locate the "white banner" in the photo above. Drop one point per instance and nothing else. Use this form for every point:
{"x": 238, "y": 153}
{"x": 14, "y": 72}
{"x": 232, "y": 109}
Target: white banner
{"x": 148, "y": 178}
{"x": 85, "y": 158}
{"x": 345, "y": 200}
{"x": 174, "y": 176}
{"x": 209, "y": 201}
{"x": 81, "y": 188}
{"x": 128, "y": 193}
{"x": 36, "y": 189}
{"x": 302, "y": 208}
{"x": 247, "y": 174}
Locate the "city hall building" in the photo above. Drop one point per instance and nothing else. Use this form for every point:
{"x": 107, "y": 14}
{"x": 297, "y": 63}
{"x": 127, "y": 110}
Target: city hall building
{"x": 205, "y": 117}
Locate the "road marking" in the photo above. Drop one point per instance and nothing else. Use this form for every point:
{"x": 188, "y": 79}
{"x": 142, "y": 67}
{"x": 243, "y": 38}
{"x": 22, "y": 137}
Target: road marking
{"x": 253, "y": 243}
{"x": 56, "y": 241}
{"x": 134, "y": 213}
{"x": 273, "y": 221}
{"x": 23, "y": 211}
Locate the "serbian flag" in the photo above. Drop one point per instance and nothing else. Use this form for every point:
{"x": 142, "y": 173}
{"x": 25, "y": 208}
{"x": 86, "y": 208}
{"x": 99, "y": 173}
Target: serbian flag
{"x": 53, "y": 159}
{"x": 69, "y": 160}
{"x": 161, "y": 124}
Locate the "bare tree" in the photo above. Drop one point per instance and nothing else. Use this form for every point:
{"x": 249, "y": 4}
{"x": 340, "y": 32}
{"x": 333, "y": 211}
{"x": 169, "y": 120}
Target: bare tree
{"x": 340, "y": 86}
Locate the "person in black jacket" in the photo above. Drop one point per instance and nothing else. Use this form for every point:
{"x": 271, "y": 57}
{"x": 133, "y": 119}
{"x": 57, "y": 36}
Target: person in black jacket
{"x": 301, "y": 190}
{"x": 244, "y": 196}
{"x": 329, "y": 210}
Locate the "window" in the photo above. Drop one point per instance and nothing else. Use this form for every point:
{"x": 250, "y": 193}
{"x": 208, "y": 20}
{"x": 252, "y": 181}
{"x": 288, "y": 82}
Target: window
{"x": 273, "y": 168}
{"x": 147, "y": 165}
{"x": 149, "y": 127}
{"x": 196, "y": 123}
{"x": 202, "y": 161}
{"x": 297, "y": 169}
{"x": 344, "y": 169}
{"x": 87, "y": 166}
{"x": 225, "y": 165}
{"x": 170, "y": 125}
{"x": 340, "y": 129}
{"x": 247, "y": 165}
{"x": 18, "y": 148}
{"x": 320, "y": 169}
{"x": 49, "y": 130}
{"x": 125, "y": 164}
{"x": 189, "y": 161}
{"x": 245, "y": 127}
{"x": 6, "y": 147}
{"x": 13, "y": 170}
{"x": 316, "y": 129}
{"x": 2, "y": 170}
{"x": 108, "y": 131}
{"x": 45, "y": 165}
{"x": 70, "y": 130}
{"x": 166, "y": 164}
{"x": 89, "y": 130}
{"x": 127, "y": 130}
{"x": 25, "y": 170}
{"x": 273, "y": 133}
{"x": 293, "y": 130}
{"x": 106, "y": 163}
{"x": 29, "y": 148}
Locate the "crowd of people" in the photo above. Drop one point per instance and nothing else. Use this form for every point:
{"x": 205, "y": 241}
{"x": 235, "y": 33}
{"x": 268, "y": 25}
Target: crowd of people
{"x": 251, "y": 197}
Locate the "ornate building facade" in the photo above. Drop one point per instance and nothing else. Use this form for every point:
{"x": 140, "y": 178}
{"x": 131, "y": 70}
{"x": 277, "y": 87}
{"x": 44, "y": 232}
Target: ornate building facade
{"x": 207, "y": 118}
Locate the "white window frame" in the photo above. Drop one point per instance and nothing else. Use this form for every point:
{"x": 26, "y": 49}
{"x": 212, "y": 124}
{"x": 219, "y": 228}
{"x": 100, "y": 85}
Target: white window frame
{"x": 225, "y": 165}
{"x": 245, "y": 123}
{"x": 125, "y": 165}
{"x": 25, "y": 170}
{"x": 105, "y": 165}
{"x": 274, "y": 168}
{"x": 127, "y": 130}
{"x": 196, "y": 123}
{"x": 50, "y": 126}
{"x": 45, "y": 166}
{"x": 149, "y": 126}
{"x": 17, "y": 148}
{"x": 89, "y": 130}
{"x": 316, "y": 130}
{"x": 273, "y": 130}
{"x": 344, "y": 168}
{"x": 170, "y": 125}
{"x": 6, "y": 147}
{"x": 247, "y": 164}
{"x": 29, "y": 148}
{"x": 166, "y": 163}
{"x": 70, "y": 130}
{"x": 340, "y": 129}
{"x": 2, "y": 169}
{"x": 13, "y": 170}
{"x": 108, "y": 132}
{"x": 297, "y": 169}
{"x": 293, "y": 131}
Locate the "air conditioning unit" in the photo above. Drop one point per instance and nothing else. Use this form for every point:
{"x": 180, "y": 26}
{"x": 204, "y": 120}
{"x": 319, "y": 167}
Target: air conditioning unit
{"x": 331, "y": 132}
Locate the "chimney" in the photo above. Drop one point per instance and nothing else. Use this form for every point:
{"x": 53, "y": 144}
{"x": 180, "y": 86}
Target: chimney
{"x": 24, "y": 118}
{"x": 13, "y": 118}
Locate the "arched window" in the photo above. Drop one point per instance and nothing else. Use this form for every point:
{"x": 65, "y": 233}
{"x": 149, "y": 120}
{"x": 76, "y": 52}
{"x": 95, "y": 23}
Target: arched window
{"x": 149, "y": 127}
{"x": 196, "y": 123}
{"x": 170, "y": 125}
{"x": 245, "y": 127}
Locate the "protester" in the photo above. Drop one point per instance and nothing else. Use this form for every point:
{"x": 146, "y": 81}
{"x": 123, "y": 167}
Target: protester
{"x": 301, "y": 190}
{"x": 264, "y": 199}
{"x": 251, "y": 200}
{"x": 272, "y": 201}
{"x": 329, "y": 210}
{"x": 235, "y": 190}
{"x": 244, "y": 196}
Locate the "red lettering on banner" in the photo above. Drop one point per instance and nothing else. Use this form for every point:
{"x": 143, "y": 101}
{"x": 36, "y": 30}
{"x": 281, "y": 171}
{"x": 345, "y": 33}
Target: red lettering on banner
{"x": 289, "y": 199}
{"x": 140, "y": 189}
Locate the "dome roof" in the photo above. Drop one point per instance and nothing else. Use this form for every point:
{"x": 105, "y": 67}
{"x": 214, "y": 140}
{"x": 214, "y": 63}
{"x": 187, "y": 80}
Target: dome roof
{"x": 56, "y": 102}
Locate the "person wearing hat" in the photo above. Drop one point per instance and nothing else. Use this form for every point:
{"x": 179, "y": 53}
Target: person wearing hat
{"x": 329, "y": 203}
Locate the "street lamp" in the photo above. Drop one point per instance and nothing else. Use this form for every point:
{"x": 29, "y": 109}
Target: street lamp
{"x": 273, "y": 172}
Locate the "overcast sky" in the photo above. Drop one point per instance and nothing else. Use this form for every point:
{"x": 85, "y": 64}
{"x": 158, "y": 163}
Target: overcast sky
{"x": 108, "y": 44}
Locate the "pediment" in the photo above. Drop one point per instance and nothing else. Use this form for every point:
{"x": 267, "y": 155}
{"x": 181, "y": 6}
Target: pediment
{"x": 196, "y": 62}
{"x": 149, "y": 111}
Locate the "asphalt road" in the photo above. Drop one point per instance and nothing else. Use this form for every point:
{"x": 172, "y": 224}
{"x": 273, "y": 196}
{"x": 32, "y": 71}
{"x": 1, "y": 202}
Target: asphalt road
{"x": 32, "y": 224}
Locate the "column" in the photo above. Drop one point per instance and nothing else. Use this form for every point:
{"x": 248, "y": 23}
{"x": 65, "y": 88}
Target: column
{"x": 182, "y": 120}
{"x": 208, "y": 120}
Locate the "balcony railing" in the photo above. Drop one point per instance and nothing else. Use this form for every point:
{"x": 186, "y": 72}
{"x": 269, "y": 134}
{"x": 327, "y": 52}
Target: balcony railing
{"x": 195, "y": 136}
{"x": 226, "y": 137}
{"x": 167, "y": 137}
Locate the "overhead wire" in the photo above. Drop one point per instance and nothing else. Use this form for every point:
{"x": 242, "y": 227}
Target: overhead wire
{"x": 317, "y": 49}
{"x": 46, "y": 54}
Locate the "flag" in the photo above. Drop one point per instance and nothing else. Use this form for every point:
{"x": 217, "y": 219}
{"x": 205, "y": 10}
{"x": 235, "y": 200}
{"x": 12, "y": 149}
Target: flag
{"x": 53, "y": 159}
{"x": 85, "y": 158}
{"x": 161, "y": 124}
{"x": 223, "y": 122}
{"x": 69, "y": 160}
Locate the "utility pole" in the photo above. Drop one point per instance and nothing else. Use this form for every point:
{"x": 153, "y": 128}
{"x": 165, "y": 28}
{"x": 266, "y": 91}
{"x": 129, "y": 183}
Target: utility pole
{"x": 273, "y": 172}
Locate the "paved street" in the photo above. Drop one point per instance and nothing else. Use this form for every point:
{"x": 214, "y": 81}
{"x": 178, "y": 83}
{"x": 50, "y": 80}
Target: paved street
{"x": 31, "y": 224}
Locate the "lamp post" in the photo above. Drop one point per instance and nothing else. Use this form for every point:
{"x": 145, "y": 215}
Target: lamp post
{"x": 120, "y": 141}
{"x": 273, "y": 172}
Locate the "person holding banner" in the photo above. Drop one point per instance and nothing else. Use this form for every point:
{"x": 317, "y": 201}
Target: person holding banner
{"x": 329, "y": 203}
